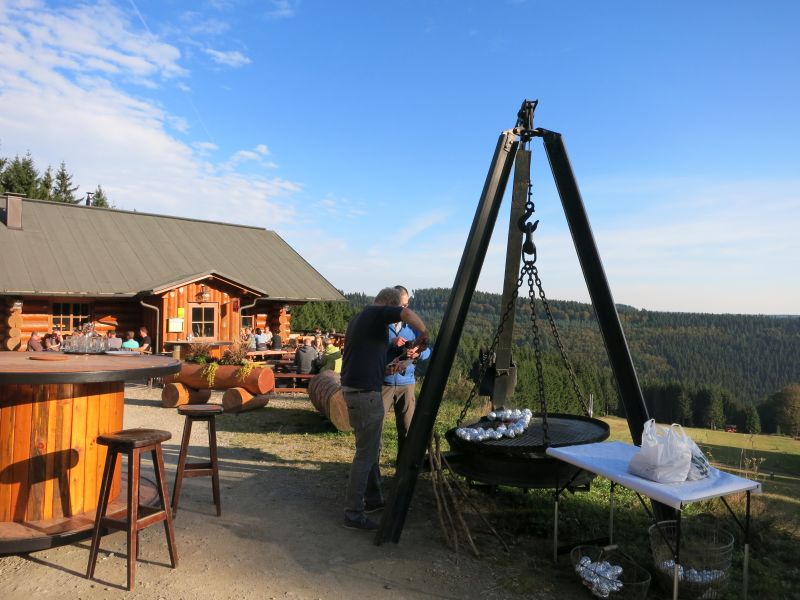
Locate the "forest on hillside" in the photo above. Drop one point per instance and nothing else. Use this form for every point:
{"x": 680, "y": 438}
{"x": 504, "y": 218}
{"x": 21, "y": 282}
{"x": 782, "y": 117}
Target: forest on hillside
{"x": 698, "y": 369}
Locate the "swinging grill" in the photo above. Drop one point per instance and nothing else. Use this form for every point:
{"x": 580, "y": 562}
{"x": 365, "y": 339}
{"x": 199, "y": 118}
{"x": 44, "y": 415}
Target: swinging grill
{"x": 520, "y": 461}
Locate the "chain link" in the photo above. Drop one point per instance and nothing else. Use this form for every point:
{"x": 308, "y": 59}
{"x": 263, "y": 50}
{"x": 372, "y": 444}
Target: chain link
{"x": 530, "y": 272}
{"x": 485, "y": 362}
{"x": 529, "y": 269}
{"x": 573, "y": 378}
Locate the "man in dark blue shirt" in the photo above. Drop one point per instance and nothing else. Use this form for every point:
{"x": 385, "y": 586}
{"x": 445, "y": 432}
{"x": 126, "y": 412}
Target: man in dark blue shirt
{"x": 363, "y": 369}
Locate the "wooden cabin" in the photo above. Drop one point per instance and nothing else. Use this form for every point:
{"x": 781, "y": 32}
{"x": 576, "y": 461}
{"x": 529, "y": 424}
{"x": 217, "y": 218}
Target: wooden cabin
{"x": 62, "y": 265}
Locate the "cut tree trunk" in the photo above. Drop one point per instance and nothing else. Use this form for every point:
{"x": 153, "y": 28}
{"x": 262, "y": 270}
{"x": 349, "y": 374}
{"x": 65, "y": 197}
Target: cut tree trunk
{"x": 236, "y": 400}
{"x": 178, "y": 394}
{"x": 325, "y": 393}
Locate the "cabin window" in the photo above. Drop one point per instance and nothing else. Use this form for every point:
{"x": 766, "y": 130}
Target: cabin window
{"x": 204, "y": 320}
{"x": 70, "y": 315}
{"x": 246, "y": 319}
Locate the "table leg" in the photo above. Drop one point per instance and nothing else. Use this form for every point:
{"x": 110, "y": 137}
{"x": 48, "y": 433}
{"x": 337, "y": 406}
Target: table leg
{"x": 555, "y": 528}
{"x": 677, "y": 557}
{"x": 746, "y": 565}
{"x": 611, "y": 516}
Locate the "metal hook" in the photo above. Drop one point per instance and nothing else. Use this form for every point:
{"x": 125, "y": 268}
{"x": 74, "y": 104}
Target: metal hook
{"x": 528, "y": 247}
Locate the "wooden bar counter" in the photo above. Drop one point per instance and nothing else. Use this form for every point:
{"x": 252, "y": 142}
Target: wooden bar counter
{"x": 52, "y": 408}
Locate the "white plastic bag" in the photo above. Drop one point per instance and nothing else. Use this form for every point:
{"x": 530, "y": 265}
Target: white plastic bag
{"x": 665, "y": 455}
{"x": 699, "y": 464}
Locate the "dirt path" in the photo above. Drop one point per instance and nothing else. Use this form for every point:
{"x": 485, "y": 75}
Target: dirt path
{"x": 280, "y": 534}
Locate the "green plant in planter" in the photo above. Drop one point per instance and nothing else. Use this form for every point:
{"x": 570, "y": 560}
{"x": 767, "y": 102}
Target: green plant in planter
{"x": 210, "y": 373}
{"x": 198, "y": 353}
{"x": 237, "y": 355}
{"x": 234, "y": 355}
{"x": 245, "y": 370}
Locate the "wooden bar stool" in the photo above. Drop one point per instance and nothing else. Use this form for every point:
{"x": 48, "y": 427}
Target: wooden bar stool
{"x": 132, "y": 442}
{"x": 198, "y": 412}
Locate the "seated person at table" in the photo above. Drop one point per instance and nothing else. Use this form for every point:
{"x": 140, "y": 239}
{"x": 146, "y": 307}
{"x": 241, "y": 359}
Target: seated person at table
{"x": 262, "y": 339}
{"x": 145, "y": 343}
{"x": 305, "y": 356}
{"x": 114, "y": 342}
{"x": 331, "y": 358}
{"x": 277, "y": 344}
{"x": 52, "y": 342}
{"x": 35, "y": 343}
{"x": 130, "y": 342}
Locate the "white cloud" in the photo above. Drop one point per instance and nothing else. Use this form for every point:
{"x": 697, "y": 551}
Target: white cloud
{"x": 282, "y": 9}
{"x": 62, "y": 70}
{"x": 230, "y": 58}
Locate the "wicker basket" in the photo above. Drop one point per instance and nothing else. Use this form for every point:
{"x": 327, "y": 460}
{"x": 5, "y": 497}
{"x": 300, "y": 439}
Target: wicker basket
{"x": 631, "y": 584}
{"x": 705, "y": 560}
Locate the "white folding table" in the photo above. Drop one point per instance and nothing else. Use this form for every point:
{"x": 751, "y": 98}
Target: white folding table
{"x": 610, "y": 460}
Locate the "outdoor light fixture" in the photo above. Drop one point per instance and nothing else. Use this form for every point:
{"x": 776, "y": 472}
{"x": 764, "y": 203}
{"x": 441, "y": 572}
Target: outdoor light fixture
{"x": 17, "y": 305}
{"x": 204, "y": 295}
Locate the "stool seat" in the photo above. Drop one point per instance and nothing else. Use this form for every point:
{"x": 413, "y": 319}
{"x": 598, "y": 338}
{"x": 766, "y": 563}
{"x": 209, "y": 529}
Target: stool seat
{"x": 200, "y": 410}
{"x": 134, "y": 438}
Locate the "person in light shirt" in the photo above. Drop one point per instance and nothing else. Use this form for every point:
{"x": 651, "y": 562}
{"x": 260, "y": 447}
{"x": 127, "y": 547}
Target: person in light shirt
{"x": 130, "y": 342}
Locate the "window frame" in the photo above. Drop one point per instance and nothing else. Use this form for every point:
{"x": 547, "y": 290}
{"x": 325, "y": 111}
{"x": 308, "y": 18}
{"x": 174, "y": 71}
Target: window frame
{"x": 73, "y": 319}
{"x": 215, "y": 322}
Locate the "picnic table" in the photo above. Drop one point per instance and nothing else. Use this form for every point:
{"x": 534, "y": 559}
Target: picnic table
{"x": 265, "y": 354}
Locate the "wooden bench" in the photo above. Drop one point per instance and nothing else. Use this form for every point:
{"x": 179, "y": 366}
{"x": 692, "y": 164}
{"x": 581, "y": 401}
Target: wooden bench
{"x": 294, "y": 378}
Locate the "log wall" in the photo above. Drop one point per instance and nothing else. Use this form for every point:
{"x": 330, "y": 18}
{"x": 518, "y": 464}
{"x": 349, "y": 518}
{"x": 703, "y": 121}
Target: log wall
{"x": 124, "y": 315}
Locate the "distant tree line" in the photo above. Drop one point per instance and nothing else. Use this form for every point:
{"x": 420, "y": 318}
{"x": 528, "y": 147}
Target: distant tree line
{"x": 696, "y": 369}
{"x": 20, "y": 175}
{"x": 325, "y": 315}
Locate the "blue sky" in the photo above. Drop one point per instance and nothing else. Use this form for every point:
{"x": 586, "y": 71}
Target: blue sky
{"x": 362, "y": 131}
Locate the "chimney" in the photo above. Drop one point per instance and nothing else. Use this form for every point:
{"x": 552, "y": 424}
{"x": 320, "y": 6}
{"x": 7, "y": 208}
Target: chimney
{"x": 14, "y": 210}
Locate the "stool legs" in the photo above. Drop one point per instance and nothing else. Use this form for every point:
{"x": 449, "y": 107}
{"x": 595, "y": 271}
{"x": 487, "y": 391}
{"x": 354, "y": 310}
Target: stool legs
{"x": 102, "y": 505}
{"x": 132, "y": 522}
{"x": 176, "y": 489}
{"x": 212, "y": 448}
{"x": 132, "y": 532}
{"x": 161, "y": 482}
{"x": 198, "y": 469}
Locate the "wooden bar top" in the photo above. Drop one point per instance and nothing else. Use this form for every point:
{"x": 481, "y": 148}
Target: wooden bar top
{"x": 28, "y": 368}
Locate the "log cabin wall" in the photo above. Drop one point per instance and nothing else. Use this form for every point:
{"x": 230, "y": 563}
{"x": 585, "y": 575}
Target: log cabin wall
{"x": 177, "y": 304}
{"x": 118, "y": 316}
{"x": 273, "y": 316}
{"x": 129, "y": 315}
{"x": 37, "y": 315}
{"x": 10, "y": 325}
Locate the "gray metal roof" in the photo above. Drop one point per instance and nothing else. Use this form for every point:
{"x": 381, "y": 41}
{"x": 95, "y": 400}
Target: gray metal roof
{"x": 76, "y": 250}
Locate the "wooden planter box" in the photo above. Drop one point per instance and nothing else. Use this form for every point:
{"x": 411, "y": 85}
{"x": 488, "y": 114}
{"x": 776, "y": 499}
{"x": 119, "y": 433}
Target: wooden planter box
{"x": 259, "y": 381}
{"x": 190, "y": 386}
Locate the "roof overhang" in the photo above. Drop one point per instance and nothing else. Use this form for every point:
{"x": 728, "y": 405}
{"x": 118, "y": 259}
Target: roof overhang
{"x": 216, "y": 275}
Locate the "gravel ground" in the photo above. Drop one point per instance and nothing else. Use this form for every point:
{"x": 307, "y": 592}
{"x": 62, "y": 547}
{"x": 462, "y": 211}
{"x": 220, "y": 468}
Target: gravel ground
{"x": 279, "y": 536}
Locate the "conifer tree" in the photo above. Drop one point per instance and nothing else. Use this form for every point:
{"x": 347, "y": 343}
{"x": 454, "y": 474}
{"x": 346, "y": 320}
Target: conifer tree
{"x": 44, "y": 187}
{"x": 99, "y": 199}
{"x": 20, "y": 176}
{"x": 64, "y": 191}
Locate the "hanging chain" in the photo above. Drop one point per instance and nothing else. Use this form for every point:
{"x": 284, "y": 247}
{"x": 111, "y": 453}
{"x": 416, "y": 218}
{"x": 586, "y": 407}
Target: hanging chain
{"x": 490, "y": 352}
{"x": 573, "y": 378}
{"x": 529, "y": 269}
